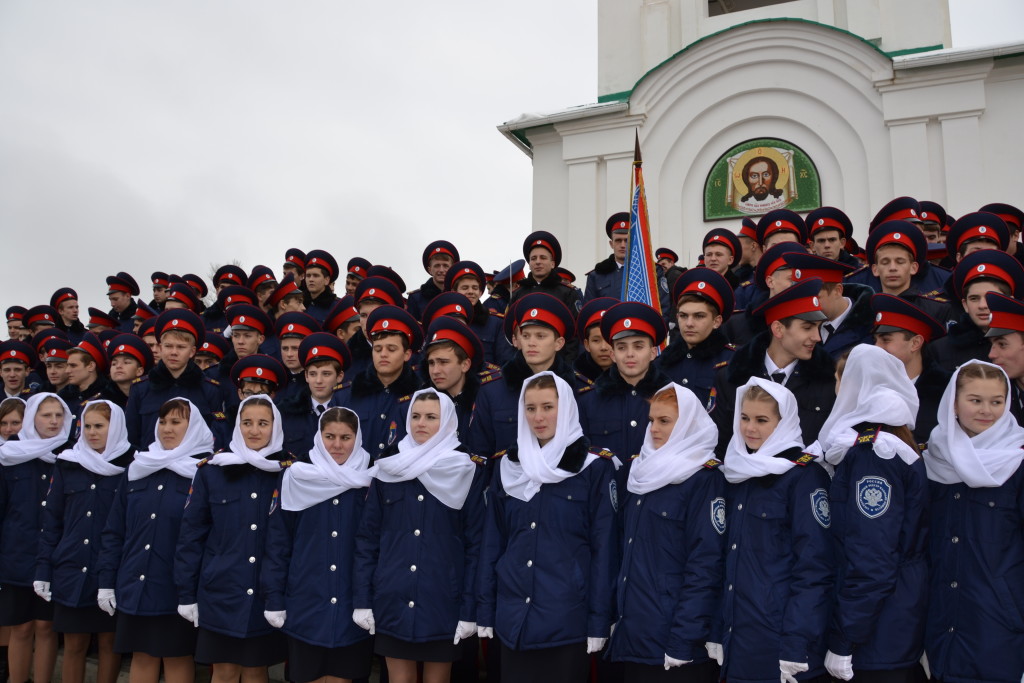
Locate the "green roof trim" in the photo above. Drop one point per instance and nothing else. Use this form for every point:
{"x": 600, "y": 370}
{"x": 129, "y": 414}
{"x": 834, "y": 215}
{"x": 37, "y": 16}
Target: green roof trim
{"x": 1009, "y": 56}
{"x": 625, "y": 96}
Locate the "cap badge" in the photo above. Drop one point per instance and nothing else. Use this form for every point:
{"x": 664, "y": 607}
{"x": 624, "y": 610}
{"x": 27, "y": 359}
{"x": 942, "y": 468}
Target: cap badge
{"x": 627, "y": 323}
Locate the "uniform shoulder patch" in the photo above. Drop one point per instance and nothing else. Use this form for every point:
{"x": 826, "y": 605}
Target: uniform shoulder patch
{"x": 490, "y": 376}
{"x": 721, "y": 365}
{"x": 730, "y": 346}
{"x": 820, "y": 507}
{"x": 212, "y": 381}
{"x": 580, "y": 377}
{"x": 712, "y": 464}
{"x": 873, "y": 496}
{"x": 403, "y": 399}
{"x": 478, "y": 459}
{"x": 867, "y": 435}
{"x": 584, "y": 388}
{"x": 804, "y": 459}
{"x": 602, "y": 453}
{"x": 202, "y": 462}
{"x": 219, "y": 416}
{"x": 718, "y": 514}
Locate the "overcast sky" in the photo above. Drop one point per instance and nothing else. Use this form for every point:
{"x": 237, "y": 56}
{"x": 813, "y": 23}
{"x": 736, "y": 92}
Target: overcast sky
{"x": 146, "y": 136}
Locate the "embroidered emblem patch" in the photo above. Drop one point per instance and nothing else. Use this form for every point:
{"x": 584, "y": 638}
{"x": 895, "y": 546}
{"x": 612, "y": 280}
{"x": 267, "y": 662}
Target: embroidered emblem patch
{"x": 820, "y": 507}
{"x": 718, "y": 515}
{"x": 613, "y": 495}
{"x": 873, "y": 494}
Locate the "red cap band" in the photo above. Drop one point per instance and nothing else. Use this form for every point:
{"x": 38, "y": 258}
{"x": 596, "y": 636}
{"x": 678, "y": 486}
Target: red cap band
{"x": 990, "y": 271}
{"x": 780, "y": 226}
{"x": 455, "y": 338}
{"x": 129, "y": 350}
{"x": 295, "y": 329}
{"x": 828, "y": 224}
{"x": 633, "y": 325}
{"x": 824, "y": 274}
{"x": 900, "y": 238}
{"x": 57, "y": 354}
{"x": 18, "y": 355}
{"x": 179, "y": 324}
{"x": 322, "y": 352}
{"x": 211, "y": 349}
{"x": 393, "y": 326}
{"x": 720, "y": 239}
{"x": 789, "y": 309}
{"x": 1001, "y": 320}
{"x": 978, "y": 232}
{"x": 258, "y": 373}
{"x": 908, "y": 323}
{"x": 376, "y": 293}
{"x": 542, "y": 316}
{"x": 704, "y": 289}
{"x": 249, "y": 321}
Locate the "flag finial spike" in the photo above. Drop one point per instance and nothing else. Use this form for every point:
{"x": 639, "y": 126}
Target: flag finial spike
{"x": 636, "y": 150}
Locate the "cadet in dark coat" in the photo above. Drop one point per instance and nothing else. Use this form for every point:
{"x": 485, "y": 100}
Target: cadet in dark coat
{"x": 174, "y": 376}
{"x": 452, "y": 358}
{"x": 370, "y": 294}
{"x": 120, "y": 290}
{"x": 827, "y": 230}
{"x": 324, "y": 359}
{"x": 87, "y": 378}
{"x": 129, "y": 359}
{"x": 667, "y": 259}
{"x": 606, "y": 278}
{"x": 703, "y": 302}
{"x": 1006, "y": 333}
{"x": 226, "y": 276}
{"x": 505, "y": 282}
{"x": 467, "y": 278}
{"x": 779, "y": 570}
{"x": 307, "y": 577}
{"x": 438, "y": 258}
{"x": 879, "y": 520}
{"x": 976, "y": 549}
{"x": 418, "y": 546}
{"x": 789, "y": 353}
{"x": 26, "y": 465}
{"x": 547, "y": 567}
{"x": 772, "y": 276}
{"x": 289, "y": 330}
{"x": 543, "y": 253}
{"x": 65, "y": 303}
{"x": 136, "y": 562}
{"x": 321, "y": 272}
{"x": 722, "y": 251}
{"x": 674, "y": 546}
{"x": 596, "y": 355}
{"x": 221, "y": 546}
{"x": 84, "y": 484}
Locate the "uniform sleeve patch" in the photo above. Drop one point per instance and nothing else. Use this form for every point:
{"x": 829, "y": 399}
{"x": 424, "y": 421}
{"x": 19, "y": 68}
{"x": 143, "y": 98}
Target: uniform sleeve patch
{"x": 873, "y": 495}
{"x": 805, "y": 459}
{"x": 613, "y": 495}
{"x": 718, "y": 515}
{"x": 712, "y": 464}
{"x": 821, "y": 508}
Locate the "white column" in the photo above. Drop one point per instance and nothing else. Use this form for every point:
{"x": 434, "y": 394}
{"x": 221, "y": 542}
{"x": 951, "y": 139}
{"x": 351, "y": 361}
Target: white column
{"x": 909, "y": 141}
{"x": 579, "y": 249}
{"x": 964, "y": 162}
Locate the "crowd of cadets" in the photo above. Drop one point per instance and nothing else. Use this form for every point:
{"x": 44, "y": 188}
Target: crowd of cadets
{"x": 776, "y": 306}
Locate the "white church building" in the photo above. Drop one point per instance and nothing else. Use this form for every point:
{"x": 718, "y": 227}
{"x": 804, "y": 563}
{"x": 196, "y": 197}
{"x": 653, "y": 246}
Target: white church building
{"x": 853, "y": 101}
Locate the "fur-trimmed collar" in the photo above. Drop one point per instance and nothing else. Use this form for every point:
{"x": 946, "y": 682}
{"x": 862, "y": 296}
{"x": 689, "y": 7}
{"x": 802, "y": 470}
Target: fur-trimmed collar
{"x": 965, "y": 334}
{"x": 160, "y": 377}
{"x": 428, "y": 290}
{"x": 367, "y": 383}
{"x": 480, "y": 314}
{"x": 611, "y": 383}
{"x": 573, "y": 457}
{"x": 609, "y": 265}
{"x": 748, "y": 361}
{"x": 552, "y": 281}
{"x": 586, "y": 366}
{"x": 707, "y": 349}
{"x": 516, "y": 371}
{"x": 860, "y": 313}
{"x": 359, "y": 347}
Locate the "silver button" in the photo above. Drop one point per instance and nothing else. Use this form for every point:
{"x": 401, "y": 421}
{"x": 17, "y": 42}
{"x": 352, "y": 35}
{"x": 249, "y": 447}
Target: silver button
{"x": 730, "y": 586}
{"x": 153, "y": 516}
{"x": 734, "y": 546}
{"x": 252, "y": 527}
{"x": 740, "y": 506}
{"x": 570, "y": 497}
{"x": 529, "y": 563}
{"x": 89, "y": 513}
{"x": 334, "y": 534}
{"x": 412, "y": 604}
{"x": 335, "y": 501}
{"x": 763, "y": 515}
{"x": 633, "y": 392}
{"x": 85, "y": 569}
{"x": 624, "y": 579}
{"x": 380, "y": 446}
{"x": 43, "y": 476}
{"x": 160, "y": 487}
{"x": 629, "y": 541}
{"x": 632, "y": 423}
{"x": 956, "y": 496}
{"x": 142, "y": 577}
{"x": 991, "y": 503}
{"x": 412, "y": 568}
{"x": 638, "y": 500}
{"x": 817, "y": 408}
{"x": 248, "y": 592}
{"x": 533, "y": 525}
{"x": 416, "y": 533}
{"x": 955, "y": 539}
{"x": 334, "y": 568}
{"x": 253, "y": 495}
{"x": 686, "y": 381}
{"x": 420, "y": 497}
{"x": 527, "y": 601}
{"x": 953, "y": 585}
{"x": 147, "y": 547}
{"x": 86, "y": 541}
{"x": 252, "y": 560}
{"x": 950, "y": 629}
{"x": 334, "y": 601}
{"x": 664, "y": 514}
{"x": 383, "y": 416}
{"x": 92, "y": 487}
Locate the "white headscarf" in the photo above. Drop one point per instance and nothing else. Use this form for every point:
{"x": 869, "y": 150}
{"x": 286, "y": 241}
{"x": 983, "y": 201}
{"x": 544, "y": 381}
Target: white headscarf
{"x": 875, "y": 389}
{"x": 309, "y": 483}
{"x": 445, "y": 472}
{"x": 19, "y": 400}
{"x": 688, "y": 448}
{"x": 739, "y": 465}
{"x": 240, "y": 454}
{"x": 30, "y": 445}
{"x": 987, "y": 459}
{"x": 117, "y": 444}
{"x": 198, "y": 440}
{"x": 538, "y": 464}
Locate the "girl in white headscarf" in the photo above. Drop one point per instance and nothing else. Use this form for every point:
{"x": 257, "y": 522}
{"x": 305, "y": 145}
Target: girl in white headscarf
{"x": 307, "y": 571}
{"x": 547, "y": 571}
{"x": 674, "y": 526}
{"x": 26, "y": 464}
{"x": 418, "y": 545}
{"x": 975, "y": 628}
{"x": 84, "y": 482}
{"x": 136, "y": 561}
{"x": 780, "y": 564}
{"x": 879, "y": 509}
{"x": 221, "y": 544}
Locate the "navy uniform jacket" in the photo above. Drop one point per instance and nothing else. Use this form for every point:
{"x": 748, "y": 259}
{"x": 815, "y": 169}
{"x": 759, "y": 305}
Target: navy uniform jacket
{"x": 585, "y": 365}
{"x": 464, "y": 401}
{"x": 547, "y": 568}
{"x": 418, "y": 299}
{"x": 220, "y": 547}
{"x": 963, "y": 342}
{"x": 126, "y": 318}
{"x": 362, "y": 354}
{"x": 296, "y": 381}
{"x": 932, "y": 279}
{"x": 857, "y": 326}
{"x": 606, "y": 280}
{"x": 673, "y": 563}
{"x": 22, "y": 492}
{"x": 299, "y": 420}
{"x": 76, "y": 331}
{"x": 743, "y": 326}
{"x": 381, "y": 410}
{"x": 614, "y": 414}
{"x": 308, "y": 569}
{"x": 74, "y": 514}
{"x": 695, "y": 368}
{"x": 930, "y": 386}
{"x": 140, "y": 540}
{"x": 214, "y": 319}
{"x": 880, "y": 525}
{"x": 321, "y": 305}
{"x": 497, "y": 300}
{"x": 150, "y": 393}
{"x": 492, "y": 427}
{"x": 975, "y": 628}
{"x": 416, "y": 560}
{"x": 779, "y": 573}
{"x": 491, "y": 332}
{"x": 750, "y": 296}
{"x": 812, "y": 382}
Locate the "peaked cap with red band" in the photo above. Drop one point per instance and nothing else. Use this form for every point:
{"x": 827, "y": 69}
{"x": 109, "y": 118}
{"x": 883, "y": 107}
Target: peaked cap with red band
{"x": 799, "y": 301}
{"x": 630, "y": 319}
{"x": 395, "y": 320}
{"x": 893, "y": 313}
{"x": 708, "y": 285}
{"x": 447, "y": 329}
{"x": 324, "y": 346}
{"x": 182, "y": 321}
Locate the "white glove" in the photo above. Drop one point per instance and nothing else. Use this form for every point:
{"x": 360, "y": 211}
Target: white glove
{"x": 715, "y": 652}
{"x": 465, "y": 629}
{"x": 275, "y": 619}
{"x": 671, "y": 662}
{"x": 789, "y": 670}
{"x": 42, "y": 589}
{"x": 364, "y": 620}
{"x": 105, "y": 600}
{"x": 595, "y": 645}
{"x": 484, "y": 631}
{"x": 928, "y": 669}
{"x": 190, "y": 613}
{"x": 840, "y": 666}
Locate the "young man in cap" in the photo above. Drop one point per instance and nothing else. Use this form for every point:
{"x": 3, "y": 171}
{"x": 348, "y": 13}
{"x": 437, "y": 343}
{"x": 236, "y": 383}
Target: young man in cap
{"x": 847, "y": 307}
{"x": 906, "y": 331}
{"x": 175, "y": 375}
{"x": 975, "y": 232}
{"x": 120, "y": 290}
{"x": 704, "y": 301}
{"x": 543, "y": 253}
{"x": 452, "y": 357}
{"x": 751, "y": 251}
{"x": 255, "y": 375}
{"x": 596, "y": 356}
{"x": 722, "y": 251}
{"x": 372, "y": 293}
{"x": 249, "y": 329}
{"x": 976, "y": 275}
{"x": 1006, "y": 333}
{"x": 161, "y": 282}
{"x": 437, "y": 258}
{"x": 323, "y": 358}
{"x": 343, "y": 318}
{"x": 788, "y": 352}
{"x": 506, "y": 281}
{"x": 65, "y": 302}
{"x": 321, "y": 272}
{"x": 897, "y": 251}
{"x": 228, "y": 275}
{"x": 16, "y": 361}
{"x": 605, "y": 280}
{"x": 39, "y": 318}
{"x": 294, "y": 265}
{"x": 287, "y": 297}
{"x": 771, "y": 276}
{"x": 467, "y": 278}
{"x": 357, "y": 269}
{"x": 87, "y": 378}
{"x": 211, "y": 351}
{"x": 380, "y": 394}
{"x": 781, "y": 225}
{"x": 15, "y": 323}
{"x": 667, "y": 259}
{"x": 829, "y": 228}
{"x": 56, "y": 361}
{"x": 130, "y": 359}
{"x": 290, "y": 329}
{"x": 181, "y": 296}
{"x": 262, "y": 281}
{"x": 614, "y": 413}
{"x": 1014, "y": 219}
